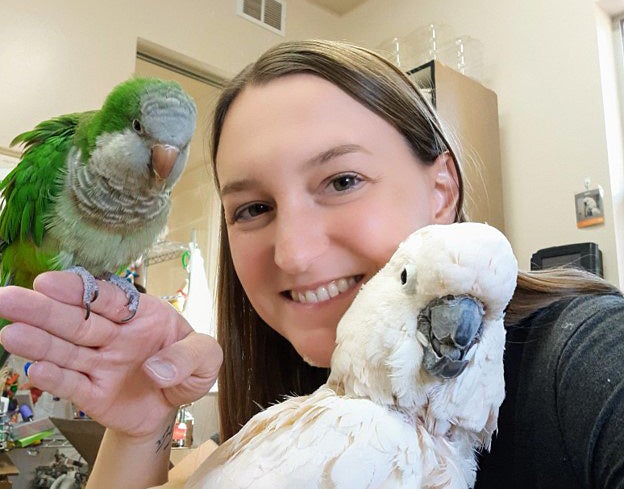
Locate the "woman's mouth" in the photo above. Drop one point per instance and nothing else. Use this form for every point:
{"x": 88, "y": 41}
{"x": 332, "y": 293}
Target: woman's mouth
{"x": 325, "y": 292}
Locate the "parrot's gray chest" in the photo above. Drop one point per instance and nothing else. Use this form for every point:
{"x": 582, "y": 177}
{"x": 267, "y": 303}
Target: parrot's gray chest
{"x": 102, "y": 222}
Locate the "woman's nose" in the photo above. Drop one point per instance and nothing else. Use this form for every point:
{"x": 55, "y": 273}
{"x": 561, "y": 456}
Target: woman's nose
{"x": 300, "y": 239}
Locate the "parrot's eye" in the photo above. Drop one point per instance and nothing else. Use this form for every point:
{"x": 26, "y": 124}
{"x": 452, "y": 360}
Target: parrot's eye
{"x": 404, "y": 276}
{"x": 136, "y": 125}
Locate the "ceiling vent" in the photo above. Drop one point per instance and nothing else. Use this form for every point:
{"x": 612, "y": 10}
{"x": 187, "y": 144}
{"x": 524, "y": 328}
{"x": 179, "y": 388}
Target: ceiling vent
{"x": 270, "y": 14}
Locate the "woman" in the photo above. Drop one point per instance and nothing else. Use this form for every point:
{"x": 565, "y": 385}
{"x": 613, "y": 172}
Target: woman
{"x": 325, "y": 157}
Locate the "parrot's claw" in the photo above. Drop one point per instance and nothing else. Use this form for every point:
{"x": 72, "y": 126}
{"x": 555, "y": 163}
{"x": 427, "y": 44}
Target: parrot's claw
{"x": 131, "y": 293}
{"x": 90, "y": 288}
{"x": 451, "y": 324}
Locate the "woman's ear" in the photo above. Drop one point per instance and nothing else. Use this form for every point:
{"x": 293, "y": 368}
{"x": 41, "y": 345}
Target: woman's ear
{"x": 446, "y": 189}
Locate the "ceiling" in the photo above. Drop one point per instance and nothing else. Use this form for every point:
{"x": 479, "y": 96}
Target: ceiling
{"x": 339, "y": 7}
{"x": 612, "y": 7}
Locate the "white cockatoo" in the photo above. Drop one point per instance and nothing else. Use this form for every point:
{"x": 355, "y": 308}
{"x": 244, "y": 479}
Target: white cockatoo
{"x": 415, "y": 385}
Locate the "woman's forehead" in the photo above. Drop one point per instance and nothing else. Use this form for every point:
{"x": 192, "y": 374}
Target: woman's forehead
{"x": 289, "y": 103}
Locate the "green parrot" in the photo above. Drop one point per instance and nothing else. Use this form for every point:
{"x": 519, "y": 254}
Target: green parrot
{"x": 92, "y": 190}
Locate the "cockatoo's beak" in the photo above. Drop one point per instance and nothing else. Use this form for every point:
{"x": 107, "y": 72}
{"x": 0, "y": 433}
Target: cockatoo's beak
{"x": 164, "y": 157}
{"x": 451, "y": 325}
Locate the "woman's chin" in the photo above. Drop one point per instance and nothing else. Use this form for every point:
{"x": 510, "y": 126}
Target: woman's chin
{"x": 317, "y": 353}
{"x": 314, "y": 362}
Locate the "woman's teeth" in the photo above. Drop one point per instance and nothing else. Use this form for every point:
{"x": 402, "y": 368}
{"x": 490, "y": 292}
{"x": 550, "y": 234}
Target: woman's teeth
{"x": 324, "y": 292}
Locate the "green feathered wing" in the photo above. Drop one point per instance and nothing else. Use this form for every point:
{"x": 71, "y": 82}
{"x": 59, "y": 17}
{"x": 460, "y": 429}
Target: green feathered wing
{"x": 28, "y": 194}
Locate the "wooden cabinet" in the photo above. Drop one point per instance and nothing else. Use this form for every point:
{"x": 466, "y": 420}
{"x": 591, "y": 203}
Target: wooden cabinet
{"x": 470, "y": 111}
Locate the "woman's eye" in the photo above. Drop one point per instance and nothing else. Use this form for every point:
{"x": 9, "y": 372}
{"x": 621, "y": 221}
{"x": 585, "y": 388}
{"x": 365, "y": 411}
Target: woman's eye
{"x": 250, "y": 211}
{"x": 345, "y": 182}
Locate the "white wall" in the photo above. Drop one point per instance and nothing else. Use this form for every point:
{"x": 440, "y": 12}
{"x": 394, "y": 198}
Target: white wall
{"x": 541, "y": 58}
{"x": 65, "y": 56}
{"x": 612, "y": 78}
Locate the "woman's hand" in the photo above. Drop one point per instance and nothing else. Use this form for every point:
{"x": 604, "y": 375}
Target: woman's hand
{"x": 129, "y": 377}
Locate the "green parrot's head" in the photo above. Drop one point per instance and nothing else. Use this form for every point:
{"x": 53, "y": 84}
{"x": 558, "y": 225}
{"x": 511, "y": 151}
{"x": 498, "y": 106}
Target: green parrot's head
{"x": 143, "y": 130}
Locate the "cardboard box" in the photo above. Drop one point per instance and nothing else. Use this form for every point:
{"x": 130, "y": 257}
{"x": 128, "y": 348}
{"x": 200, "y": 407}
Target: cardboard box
{"x": 7, "y": 467}
{"x": 84, "y": 434}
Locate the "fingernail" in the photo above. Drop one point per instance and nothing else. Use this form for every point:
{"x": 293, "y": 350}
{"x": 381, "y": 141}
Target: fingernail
{"x": 160, "y": 369}
{"x": 26, "y": 367}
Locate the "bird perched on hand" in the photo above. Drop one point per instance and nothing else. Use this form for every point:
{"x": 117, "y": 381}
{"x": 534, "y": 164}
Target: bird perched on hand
{"x": 415, "y": 385}
{"x": 92, "y": 189}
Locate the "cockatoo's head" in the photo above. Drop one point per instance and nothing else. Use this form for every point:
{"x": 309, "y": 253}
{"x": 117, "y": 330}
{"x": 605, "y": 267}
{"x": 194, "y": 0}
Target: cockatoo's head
{"x": 143, "y": 132}
{"x": 428, "y": 318}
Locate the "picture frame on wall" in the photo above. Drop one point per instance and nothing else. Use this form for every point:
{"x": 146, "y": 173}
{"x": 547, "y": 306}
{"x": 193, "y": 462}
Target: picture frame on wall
{"x": 589, "y": 208}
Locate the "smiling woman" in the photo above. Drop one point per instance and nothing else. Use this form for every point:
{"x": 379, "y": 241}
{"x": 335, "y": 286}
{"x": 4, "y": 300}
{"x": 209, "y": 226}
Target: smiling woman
{"x": 293, "y": 227}
{"x": 303, "y": 171}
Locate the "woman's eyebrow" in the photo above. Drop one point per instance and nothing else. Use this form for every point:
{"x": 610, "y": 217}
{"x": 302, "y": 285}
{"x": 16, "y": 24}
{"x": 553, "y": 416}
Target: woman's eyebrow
{"x": 237, "y": 186}
{"x": 334, "y": 152}
{"x": 319, "y": 159}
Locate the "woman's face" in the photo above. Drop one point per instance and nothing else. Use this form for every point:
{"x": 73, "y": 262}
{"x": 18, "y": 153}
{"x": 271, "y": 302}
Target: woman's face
{"x": 318, "y": 192}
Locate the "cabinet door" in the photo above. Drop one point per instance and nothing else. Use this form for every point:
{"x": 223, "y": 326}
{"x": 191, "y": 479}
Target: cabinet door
{"x": 469, "y": 111}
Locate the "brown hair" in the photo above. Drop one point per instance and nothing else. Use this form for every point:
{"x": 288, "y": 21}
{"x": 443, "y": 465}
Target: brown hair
{"x": 261, "y": 366}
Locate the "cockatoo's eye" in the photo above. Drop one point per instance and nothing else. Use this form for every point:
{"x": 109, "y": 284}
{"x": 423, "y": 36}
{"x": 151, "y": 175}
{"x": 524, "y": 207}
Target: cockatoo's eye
{"x": 408, "y": 277}
{"x": 136, "y": 125}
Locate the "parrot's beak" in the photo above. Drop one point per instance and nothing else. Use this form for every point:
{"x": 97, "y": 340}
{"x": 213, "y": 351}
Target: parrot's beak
{"x": 164, "y": 157}
{"x": 451, "y": 324}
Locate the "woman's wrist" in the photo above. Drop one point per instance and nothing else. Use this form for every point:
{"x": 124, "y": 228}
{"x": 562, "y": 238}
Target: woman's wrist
{"x": 121, "y": 453}
{"x": 159, "y": 439}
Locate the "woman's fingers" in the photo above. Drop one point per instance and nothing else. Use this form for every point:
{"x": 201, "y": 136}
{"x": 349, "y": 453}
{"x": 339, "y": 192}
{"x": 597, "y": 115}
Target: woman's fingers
{"x": 26, "y": 306}
{"x": 63, "y": 383}
{"x": 67, "y": 287}
{"x": 196, "y": 355}
{"x": 35, "y": 344}
{"x": 99, "y": 364}
{"x": 187, "y": 369}
{"x": 111, "y": 303}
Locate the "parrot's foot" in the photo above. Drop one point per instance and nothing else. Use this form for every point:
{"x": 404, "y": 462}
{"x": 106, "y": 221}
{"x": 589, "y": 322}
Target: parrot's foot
{"x": 451, "y": 325}
{"x": 131, "y": 293}
{"x": 90, "y": 288}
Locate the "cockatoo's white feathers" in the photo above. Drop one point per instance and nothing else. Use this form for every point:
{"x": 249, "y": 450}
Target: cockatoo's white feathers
{"x": 416, "y": 379}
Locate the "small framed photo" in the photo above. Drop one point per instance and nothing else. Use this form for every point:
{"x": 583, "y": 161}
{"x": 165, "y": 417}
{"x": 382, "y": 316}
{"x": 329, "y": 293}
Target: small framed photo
{"x": 589, "y": 208}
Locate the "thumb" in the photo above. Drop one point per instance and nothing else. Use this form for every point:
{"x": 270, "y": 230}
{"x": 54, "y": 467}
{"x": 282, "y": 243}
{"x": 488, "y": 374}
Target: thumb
{"x": 186, "y": 369}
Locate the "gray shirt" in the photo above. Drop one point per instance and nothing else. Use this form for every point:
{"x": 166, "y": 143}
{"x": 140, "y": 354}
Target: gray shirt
{"x": 562, "y": 422}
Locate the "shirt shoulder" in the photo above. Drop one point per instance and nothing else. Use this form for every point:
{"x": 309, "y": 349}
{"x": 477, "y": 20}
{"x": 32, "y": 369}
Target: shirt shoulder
{"x": 589, "y": 388}
{"x": 561, "y": 424}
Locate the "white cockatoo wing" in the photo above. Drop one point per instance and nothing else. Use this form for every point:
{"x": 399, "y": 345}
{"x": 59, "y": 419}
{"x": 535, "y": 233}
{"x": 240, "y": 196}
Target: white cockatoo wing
{"x": 314, "y": 442}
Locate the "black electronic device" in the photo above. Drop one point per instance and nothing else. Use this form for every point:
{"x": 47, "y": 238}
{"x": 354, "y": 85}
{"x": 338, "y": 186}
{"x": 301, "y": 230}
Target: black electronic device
{"x": 586, "y": 256}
